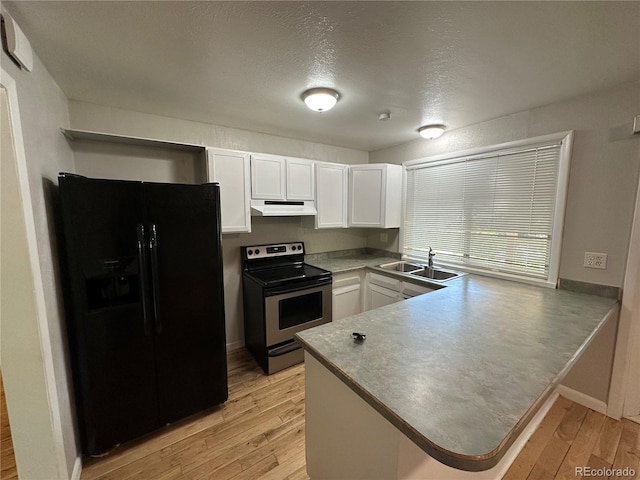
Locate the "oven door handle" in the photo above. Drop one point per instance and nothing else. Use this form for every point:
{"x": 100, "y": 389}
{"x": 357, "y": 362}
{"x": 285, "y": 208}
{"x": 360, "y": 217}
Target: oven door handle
{"x": 284, "y": 349}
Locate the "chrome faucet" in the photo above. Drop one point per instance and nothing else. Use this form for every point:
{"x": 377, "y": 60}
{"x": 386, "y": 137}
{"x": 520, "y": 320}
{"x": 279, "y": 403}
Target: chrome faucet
{"x": 429, "y": 266}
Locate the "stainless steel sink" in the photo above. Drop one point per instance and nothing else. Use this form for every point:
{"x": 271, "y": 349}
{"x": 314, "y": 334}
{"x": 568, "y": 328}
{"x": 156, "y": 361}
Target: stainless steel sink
{"x": 401, "y": 266}
{"x": 435, "y": 274}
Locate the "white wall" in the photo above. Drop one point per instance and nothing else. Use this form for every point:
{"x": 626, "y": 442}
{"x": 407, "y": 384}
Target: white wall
{"x": 126, "y": 162}
{"x": 603, "y": 178}
{"x": 43, "y": 110}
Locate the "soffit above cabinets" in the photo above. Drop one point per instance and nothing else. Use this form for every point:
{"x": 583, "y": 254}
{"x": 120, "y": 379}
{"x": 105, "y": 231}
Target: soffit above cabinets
{"x": 245, "y": 64}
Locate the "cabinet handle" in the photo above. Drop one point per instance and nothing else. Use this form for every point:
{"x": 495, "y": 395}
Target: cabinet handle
{"x": 153, "y": 249}
{"x": 143, "y": 282}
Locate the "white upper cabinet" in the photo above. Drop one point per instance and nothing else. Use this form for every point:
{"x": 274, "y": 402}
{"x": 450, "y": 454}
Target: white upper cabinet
{"x": 332, "y": 184}
{"x": 300, "y": 179}
{"x": 375, "y": 195}
{"x": 231, "y": 170}
{"x": 281, "y": 178}
{"x": 268, "y": 177}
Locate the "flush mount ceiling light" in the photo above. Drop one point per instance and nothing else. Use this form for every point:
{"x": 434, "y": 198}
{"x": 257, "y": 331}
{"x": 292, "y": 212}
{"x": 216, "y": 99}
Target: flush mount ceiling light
{"x": 431, "y": 131}
{"x": 320, "y": 99}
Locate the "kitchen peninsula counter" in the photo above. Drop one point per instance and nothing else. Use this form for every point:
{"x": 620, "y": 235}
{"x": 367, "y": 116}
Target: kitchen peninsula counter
{"x": 462, "y": 370}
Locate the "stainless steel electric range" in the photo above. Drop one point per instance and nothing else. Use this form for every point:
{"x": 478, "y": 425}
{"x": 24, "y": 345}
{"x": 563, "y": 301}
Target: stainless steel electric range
{"x": 282, "y": 295}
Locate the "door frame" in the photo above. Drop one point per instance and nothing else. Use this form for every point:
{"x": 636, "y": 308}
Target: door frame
{"x": 22, "y": 455}
{"x": 624, "y": 391}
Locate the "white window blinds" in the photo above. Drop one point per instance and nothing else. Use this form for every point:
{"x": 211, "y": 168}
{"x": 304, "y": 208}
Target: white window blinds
{"x": 492, "y": 211}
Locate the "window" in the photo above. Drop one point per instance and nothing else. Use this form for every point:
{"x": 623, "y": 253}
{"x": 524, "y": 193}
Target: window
{"x": 498, "y": 209}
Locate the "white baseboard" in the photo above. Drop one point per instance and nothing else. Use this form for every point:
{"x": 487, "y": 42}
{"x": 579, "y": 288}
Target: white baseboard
{"x": 635, "y": 418}
{"x": 583, "y": 399}
{"x": 235, "y": 346}
{"x": 77, "y": 469}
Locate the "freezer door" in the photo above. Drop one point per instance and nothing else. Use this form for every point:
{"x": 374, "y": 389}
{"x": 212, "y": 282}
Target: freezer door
{"x": 112, "y": 357}
{"x": 186, "y": 265}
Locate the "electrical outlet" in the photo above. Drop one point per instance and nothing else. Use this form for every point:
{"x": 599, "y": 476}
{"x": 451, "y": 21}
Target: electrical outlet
{"x": 595, "y": 260}
{"x": 384, "y": 237}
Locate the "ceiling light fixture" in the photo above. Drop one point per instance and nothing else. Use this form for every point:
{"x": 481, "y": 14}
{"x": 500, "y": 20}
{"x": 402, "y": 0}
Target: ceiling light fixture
{"x": 431, "y": 131}
{"x": 320, "y": 99}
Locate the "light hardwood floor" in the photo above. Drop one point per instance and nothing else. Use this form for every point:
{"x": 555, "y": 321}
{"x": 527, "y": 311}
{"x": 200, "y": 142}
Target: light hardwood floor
{"x": 259, "y": 434}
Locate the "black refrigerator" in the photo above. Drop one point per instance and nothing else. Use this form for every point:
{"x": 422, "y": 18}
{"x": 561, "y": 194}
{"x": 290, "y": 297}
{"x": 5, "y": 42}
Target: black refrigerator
{"x": 145, "y": 304}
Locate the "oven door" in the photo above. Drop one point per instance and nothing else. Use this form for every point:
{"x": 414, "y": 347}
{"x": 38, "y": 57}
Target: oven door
{"x": 288, "y": 313}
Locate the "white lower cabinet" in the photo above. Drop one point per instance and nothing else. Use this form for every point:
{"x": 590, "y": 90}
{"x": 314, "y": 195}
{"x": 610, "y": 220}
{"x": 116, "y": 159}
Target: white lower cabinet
{"x": 346, "y": 301}
{"x": 410, "y": 290}
{"x": 383, "y": 290}
{"x": 347, "y": 294}
{"x": 381, "y": 296}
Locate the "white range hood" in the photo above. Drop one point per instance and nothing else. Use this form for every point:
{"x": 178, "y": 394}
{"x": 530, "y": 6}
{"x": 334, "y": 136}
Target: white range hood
{"x": 272, "y": 208}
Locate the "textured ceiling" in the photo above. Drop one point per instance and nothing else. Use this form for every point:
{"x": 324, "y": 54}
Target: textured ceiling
{"x": 245, "y": 64}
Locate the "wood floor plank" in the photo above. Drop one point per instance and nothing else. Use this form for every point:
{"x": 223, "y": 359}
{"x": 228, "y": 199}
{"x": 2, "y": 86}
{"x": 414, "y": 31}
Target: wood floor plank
{"x": 293, "y": 461}
{"x": 570, "y": 425}
{"x": 596, "y": 463}
{"x": 258, "y": 470}
{"x": 608, "y": 440}
{"x": 582, "y": 446}
{"x": 292, "y": 441}
{"x": 628, "y": 454}
{"x": 527, "y": 458}
{"x": 553, "y": 455}
{"x": 537, "y": 473}
{"x": 224, "y": 473}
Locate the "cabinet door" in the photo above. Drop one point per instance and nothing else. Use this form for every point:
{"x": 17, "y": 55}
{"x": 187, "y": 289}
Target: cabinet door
{"x": 346, "y": 301}
{"x": 231, "y": 170}
{"x": 187, "y": 302}
{"x": 412, "y": 290}
{"x": 300, "y": 179}
{"x": 267, "y": 177}
{"x": 332, "y": 183}
{"x": 380, "y": 296}
{"x": 366, "y": 196}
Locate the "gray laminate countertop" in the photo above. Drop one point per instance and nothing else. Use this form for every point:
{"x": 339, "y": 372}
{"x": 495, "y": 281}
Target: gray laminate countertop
{"x": 349, "y": 263}
{"x": 461, "y": 370}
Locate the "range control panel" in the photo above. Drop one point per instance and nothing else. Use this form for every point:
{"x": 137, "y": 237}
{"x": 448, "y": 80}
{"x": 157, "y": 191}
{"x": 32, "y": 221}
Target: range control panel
{"x": 275, "y": 250}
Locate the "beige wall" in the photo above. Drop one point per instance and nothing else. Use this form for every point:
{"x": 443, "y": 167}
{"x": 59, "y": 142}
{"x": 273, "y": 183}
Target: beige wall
{"x": 129, "y": 162}
{"x": 43, "y": 110}
{"x": 603, "y": 178}
{"x": 592, "y": 372}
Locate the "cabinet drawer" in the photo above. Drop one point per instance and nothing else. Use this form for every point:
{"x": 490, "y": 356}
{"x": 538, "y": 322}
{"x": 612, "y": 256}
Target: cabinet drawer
{"x": 383, "y": 281}
{"x": 345, "y": 280}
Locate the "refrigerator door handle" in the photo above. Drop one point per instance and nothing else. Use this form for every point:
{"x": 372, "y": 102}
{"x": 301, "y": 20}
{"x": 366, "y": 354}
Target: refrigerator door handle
{"x": 153, "y": 250}
{"x": 142, "y": 265}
